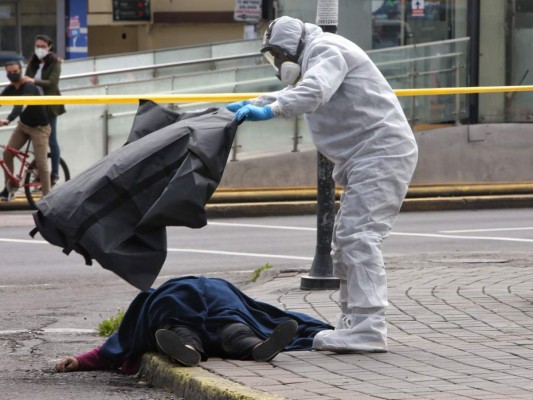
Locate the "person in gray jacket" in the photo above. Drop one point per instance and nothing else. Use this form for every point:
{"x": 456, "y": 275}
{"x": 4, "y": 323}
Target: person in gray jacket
{"x": 356, "y": 121}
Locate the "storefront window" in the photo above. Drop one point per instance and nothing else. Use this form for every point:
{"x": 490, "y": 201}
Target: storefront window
{"x": 37, "y": 17}
{"x": 20, "y": 22}
{"x": 9, "y": 31}
{"x": 519, "y": 106}
{"x": 423, "y": 44}
{"x": 403, "y": 22}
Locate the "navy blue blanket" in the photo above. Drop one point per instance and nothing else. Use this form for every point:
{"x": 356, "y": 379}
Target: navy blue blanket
{"x": 206, "y": 305}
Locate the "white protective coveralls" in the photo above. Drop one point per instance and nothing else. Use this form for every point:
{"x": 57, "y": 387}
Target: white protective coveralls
{"x": 356, "y": 121}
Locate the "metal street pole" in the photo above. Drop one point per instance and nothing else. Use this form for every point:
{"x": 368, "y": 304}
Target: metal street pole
{"x": 321, "y": 274}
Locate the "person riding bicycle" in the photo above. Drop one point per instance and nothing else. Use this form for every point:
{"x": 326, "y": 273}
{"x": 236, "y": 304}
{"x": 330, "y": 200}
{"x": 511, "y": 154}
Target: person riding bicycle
{"x": 33, "y": 125}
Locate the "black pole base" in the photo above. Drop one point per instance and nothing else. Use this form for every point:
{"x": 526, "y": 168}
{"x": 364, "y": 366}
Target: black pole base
{"x": 309, "y": 282}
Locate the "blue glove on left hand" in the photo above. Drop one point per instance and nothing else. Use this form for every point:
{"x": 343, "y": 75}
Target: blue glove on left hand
{"x": 237, "y": 105}
{"x": 254, "y": 113}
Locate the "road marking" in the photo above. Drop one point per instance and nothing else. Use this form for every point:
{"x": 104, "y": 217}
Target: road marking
{"x": 47, "y": 330}
{"x": 428, "y": 235}
{"x": 433, "y": 235}
{"x": 13, "y": 331}
{"x": 294, "y": 228}
{"x": 234, "y": 253}
{"x": 32, "y": 241}
{"x": 228, "y": 253}
{"x": 527, "y": 228}
{"x": 67, "y": 330}
{"x": 37, "y": 285}
{"x": 288, "y": 257}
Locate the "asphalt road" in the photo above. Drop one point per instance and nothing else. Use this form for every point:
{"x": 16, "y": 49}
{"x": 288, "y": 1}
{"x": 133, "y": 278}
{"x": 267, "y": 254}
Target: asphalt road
{"x": 50, "y": 303}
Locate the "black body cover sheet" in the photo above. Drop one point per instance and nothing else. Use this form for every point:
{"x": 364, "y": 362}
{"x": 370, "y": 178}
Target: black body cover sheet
{"x": 116, "y": 212}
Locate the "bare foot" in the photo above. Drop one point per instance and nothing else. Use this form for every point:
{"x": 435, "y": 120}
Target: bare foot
{"x": 69, "y": 364}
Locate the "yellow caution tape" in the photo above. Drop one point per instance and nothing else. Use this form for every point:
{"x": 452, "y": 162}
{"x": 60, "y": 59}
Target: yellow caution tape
{"x": 226, "y": 97}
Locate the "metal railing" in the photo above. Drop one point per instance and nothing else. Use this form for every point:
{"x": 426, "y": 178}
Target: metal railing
{"x": 426, "y": 65}
{"x": 86, "y": 141}
{"x": 434, "y": 64}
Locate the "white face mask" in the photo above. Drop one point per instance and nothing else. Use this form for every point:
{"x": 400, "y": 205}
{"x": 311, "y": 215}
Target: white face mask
{"x": 289, "y": 73}
{"x": 41, "y": 53}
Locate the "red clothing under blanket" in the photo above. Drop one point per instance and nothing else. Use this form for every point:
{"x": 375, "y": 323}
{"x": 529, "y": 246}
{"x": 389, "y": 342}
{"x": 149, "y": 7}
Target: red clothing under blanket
{"x": 94, "y": 360}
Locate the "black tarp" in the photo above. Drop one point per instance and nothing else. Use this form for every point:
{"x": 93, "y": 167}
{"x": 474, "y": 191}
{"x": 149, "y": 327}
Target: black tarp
{"x": 116, "y": 212}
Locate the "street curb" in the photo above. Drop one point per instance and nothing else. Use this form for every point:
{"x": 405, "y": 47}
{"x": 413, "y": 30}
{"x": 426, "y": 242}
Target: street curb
{"x": 18, "y": 204}
{"x": 195, "y": 383}
{"x": 283, "y": 208}
{"x": 281, "y": 201}
{"x": 468, "y": 202}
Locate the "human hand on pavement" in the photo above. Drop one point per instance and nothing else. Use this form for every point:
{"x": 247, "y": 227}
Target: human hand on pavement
{"x": 254, "y": 113}
{"x": 4, "y": 122}
{"x": 237, "y": 105}
{"x": 69, "y": 364}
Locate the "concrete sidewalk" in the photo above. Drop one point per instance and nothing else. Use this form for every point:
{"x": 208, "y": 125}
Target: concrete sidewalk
{"x": 460, "y": 327}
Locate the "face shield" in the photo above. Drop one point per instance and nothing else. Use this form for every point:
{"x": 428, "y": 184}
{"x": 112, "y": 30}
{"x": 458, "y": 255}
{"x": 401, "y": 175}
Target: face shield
{"x": 275, "y": 56}
{"x": 287, "y": 71}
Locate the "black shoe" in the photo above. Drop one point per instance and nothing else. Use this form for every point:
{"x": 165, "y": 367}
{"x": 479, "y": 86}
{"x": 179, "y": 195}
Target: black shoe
{"x": 281, "y": 336}
{"x": 170, "y": 344}
{"x": 6, "y": 195}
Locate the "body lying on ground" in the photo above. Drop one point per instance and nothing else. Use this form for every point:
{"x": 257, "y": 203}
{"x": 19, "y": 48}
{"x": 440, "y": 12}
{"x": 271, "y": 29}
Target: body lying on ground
{"x": 194, "y": 318}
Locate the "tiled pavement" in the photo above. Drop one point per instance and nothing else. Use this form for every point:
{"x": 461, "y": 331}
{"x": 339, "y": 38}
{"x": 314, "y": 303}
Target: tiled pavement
{"x": 460, "y": 327}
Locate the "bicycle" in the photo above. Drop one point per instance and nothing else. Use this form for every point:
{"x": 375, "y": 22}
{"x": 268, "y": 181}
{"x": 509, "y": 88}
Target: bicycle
{"x": 28, "y": 174}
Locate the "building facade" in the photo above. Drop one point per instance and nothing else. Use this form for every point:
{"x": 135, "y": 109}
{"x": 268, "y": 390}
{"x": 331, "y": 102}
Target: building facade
{"x": 498, "y": 37}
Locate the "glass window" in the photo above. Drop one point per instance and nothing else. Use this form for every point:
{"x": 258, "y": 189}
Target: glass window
{"x": 403, "y": 22}
{"x": 9, "y": 31}
{"x": 520, "y": 65}
{"x": 423, "y": 44}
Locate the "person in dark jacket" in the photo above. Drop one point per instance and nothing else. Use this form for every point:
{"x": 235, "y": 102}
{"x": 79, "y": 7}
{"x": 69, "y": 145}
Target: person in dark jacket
{"x": 192, "y": 318}
{"x": 33, "y": 124}
{"x": 44, "y": 69}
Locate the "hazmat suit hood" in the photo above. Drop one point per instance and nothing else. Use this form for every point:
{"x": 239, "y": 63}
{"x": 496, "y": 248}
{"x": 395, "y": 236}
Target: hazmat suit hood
{"x": 288, "y": 33}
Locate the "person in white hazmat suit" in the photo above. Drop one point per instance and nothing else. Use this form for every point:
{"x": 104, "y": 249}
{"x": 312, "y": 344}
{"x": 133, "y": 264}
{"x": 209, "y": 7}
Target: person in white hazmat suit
{"x": 356, "y": 121}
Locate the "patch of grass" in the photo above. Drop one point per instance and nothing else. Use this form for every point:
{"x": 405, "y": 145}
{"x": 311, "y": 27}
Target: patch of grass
{"x": 257, "y": 273}
{"x": 109, "y": 326}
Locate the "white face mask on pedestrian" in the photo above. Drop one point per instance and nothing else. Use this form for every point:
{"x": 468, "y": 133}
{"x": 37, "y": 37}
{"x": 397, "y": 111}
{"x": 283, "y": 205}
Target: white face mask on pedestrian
{"x": 41, "y": 53}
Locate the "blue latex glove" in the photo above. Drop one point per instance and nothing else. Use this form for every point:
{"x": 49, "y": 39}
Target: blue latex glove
{"x": 237, "y": 105}
{"x": 254, "y": 113}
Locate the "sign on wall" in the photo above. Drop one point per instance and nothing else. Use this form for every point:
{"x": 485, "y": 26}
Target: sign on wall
{"x": 76, "y": 35}
{"x": 248, "y": 11}
{"x": 418, "y": 7}
{"x": 131, "y": 10}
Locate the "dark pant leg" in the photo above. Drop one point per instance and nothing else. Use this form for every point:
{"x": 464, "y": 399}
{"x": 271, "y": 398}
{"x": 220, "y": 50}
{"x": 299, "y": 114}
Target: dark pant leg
{"x": 237, "y": 341}
{"x": 55, "y": 153}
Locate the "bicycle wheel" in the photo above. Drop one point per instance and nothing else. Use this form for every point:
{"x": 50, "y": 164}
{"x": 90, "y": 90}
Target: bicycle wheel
{"x": 32, "y": 185}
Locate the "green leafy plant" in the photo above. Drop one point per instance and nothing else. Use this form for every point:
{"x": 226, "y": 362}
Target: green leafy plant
{"x": 257, "y": 273}
{"x": 110, "y": 325}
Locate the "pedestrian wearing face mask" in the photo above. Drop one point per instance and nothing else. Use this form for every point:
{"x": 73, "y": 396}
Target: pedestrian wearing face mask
{"x": 356, "y": 121}
{"x": 33, "y": 124}
{"x": 44, "y": 69}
